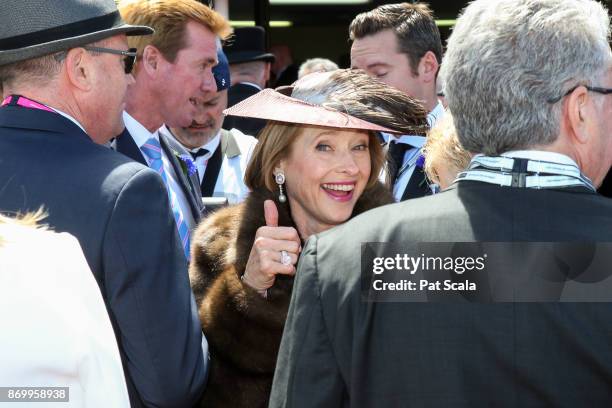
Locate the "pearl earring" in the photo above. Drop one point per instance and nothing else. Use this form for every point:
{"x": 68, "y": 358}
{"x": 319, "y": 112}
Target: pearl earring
{"x": 280, "y": 180}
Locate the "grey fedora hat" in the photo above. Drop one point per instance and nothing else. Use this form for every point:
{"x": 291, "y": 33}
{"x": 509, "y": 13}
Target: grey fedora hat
{"x": 33, "y": 28}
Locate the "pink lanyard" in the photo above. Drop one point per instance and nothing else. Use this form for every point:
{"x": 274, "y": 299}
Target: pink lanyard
{"x": 25, "y": 102}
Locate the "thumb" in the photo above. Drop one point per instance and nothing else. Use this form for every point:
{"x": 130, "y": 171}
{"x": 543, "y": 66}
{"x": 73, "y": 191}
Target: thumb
{"x": 270, "y": 213}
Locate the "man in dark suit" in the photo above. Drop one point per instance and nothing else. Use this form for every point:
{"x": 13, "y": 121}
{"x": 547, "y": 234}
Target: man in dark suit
{"x": 250, "y": 71}
{"x": 221, "y": 156}
{"x": 171, "y": 76}
{"x": 284, "y": 71}
{"x": 547, "y": 144}
{"x": 400, "y": 45}
{"x": 65, "y": 94}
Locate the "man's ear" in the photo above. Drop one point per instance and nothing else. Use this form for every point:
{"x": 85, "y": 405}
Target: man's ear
{"x": 150, "y": 60}
{"x": 266, "y": 72}
{"x": 428, "y": 67}
{"x": 79, "y": 68}
{"x": 577, "y": 114}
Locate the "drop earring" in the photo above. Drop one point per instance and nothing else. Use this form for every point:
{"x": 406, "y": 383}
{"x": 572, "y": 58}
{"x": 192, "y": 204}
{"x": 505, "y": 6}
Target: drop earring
{"x": 280, "y": 180}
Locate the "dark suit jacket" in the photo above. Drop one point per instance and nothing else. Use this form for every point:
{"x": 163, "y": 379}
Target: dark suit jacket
{"x": 133, "y": 249}
{"x": 418, "y": 184}
{"x": 338, "y": 350}
{"x": 606, "y": 187}
{"x": 288, "y": 76}
{"x": 248, "y": 126}
{"x": 125, "y": 144}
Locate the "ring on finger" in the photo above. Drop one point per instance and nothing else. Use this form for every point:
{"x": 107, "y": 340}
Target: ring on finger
{"x": 285, "y": 258}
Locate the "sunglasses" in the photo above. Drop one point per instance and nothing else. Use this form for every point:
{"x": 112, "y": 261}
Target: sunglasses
{"x": 129, "y": 56}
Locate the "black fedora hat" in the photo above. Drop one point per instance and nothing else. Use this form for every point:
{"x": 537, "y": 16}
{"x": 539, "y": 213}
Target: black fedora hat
{"x": 246, "y": 45}
{"x": 33, "y": 28}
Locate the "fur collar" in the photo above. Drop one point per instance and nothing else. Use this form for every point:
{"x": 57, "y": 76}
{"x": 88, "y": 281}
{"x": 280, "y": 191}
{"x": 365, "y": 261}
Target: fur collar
{"x": 225, "y": 237}
{"x": 243, "y": 329}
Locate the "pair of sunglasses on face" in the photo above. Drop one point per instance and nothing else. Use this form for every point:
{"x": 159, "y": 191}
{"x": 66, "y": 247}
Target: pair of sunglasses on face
{"x": 129, "y": 56}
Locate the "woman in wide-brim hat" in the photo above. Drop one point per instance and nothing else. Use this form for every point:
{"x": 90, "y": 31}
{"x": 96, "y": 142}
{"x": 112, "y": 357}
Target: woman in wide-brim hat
{"x": 316, "y": 166}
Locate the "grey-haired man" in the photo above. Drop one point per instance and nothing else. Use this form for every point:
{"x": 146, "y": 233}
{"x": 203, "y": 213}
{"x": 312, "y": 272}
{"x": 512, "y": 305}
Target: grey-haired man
{"x": 64, "y": 74}
{"x": 539, "y": 112}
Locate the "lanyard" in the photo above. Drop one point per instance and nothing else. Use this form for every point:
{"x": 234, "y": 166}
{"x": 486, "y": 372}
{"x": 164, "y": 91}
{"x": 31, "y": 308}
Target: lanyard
{"x": 516, "y": 172}
{"x": 25, "y": 103}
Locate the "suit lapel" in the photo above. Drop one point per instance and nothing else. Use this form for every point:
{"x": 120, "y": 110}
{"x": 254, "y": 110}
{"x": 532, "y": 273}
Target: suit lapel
{"x": 188, "y": 184}
{"x": 417, "y": 185}
{"x": 125, "y": 144}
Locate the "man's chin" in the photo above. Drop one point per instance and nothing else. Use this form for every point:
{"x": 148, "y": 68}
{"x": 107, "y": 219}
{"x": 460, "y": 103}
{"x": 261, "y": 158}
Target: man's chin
{"x": 183, "y": 122}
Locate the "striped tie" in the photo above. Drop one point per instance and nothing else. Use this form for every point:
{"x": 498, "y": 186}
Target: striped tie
{"x": 152, "y": 150}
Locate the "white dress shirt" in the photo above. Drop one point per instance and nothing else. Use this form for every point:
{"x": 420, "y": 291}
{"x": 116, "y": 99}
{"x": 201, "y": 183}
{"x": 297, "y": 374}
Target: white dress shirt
{"x": 55, "y": 328}
{"x": 140, "y": 134}
{"x": 417, "y": 141}
{"x": 201, "y": 161}
{"x": 230, "y": 181}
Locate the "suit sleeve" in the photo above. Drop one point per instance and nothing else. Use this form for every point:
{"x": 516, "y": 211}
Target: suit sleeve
{"x": 148, "y": 291}
{"x": 306, "y": 371}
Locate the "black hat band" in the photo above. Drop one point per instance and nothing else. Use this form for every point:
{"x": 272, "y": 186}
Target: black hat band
{"x": 75, "y": 29}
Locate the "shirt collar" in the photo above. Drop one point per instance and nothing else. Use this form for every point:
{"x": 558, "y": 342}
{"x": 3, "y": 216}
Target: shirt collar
{"x": 139, "y": 133}
{"x": 418, "y": 141}
{"x": 540, "y": 155}
{"x": 251, "y": 84}
{"x": 435, "y": 115}
{"x": 67, "y": 116}
{"x": 211, "y": 146}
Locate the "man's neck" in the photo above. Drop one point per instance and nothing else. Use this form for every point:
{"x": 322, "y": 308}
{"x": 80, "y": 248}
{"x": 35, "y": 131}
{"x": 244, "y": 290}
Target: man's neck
{"x": 431, "y": 102}
{"x": 191, "y": 144}
{"x": 52, "y": 98}
{"x": 142, "y": 106}
{"x": 247, "y": 78}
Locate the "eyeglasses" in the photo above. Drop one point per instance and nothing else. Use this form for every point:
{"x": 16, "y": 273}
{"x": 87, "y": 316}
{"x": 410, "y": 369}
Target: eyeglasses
{"x": 129, "y": 56}
{"x": 604, "y": 91}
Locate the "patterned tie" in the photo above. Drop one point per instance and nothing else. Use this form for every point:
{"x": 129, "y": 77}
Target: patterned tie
{"x": 152, "y": 150}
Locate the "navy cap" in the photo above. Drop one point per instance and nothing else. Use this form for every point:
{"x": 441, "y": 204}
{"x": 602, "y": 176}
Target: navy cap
{"x": 221, "y": 72}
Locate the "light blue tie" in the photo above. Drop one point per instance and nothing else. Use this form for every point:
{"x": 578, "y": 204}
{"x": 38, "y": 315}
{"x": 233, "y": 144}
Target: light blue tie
{"x": 152, "y": 150}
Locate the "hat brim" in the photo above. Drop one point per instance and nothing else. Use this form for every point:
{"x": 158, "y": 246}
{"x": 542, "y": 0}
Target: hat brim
{"x": 272, "y": 105}
{"x": 39, "y": 50}
{"x": 248, "y": 56}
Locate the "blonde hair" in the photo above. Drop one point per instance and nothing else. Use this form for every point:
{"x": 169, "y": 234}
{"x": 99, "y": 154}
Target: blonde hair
{"x": 169, "y": 19}
{"x": 275, "y": 143}
{"x": 31, "y": 219}
{"x": 443, "y": 150}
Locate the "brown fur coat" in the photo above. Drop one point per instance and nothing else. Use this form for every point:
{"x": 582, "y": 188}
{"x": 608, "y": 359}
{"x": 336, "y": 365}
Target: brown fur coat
{"x": 243, "y": 329}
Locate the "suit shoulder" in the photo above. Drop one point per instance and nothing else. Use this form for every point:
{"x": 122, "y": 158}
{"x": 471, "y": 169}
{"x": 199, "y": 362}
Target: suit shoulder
{"x": 242, "y": 138}
{"x": 246, "y": 143}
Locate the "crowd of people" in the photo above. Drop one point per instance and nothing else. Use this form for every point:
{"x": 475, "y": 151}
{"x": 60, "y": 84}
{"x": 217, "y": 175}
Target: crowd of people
{"x": 175, "y": 234}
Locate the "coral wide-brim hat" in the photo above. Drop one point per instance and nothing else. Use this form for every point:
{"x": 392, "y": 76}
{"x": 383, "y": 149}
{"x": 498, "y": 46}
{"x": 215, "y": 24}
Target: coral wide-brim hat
{"x": 33, "y": 28}
{"x": 275, "y": 105}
